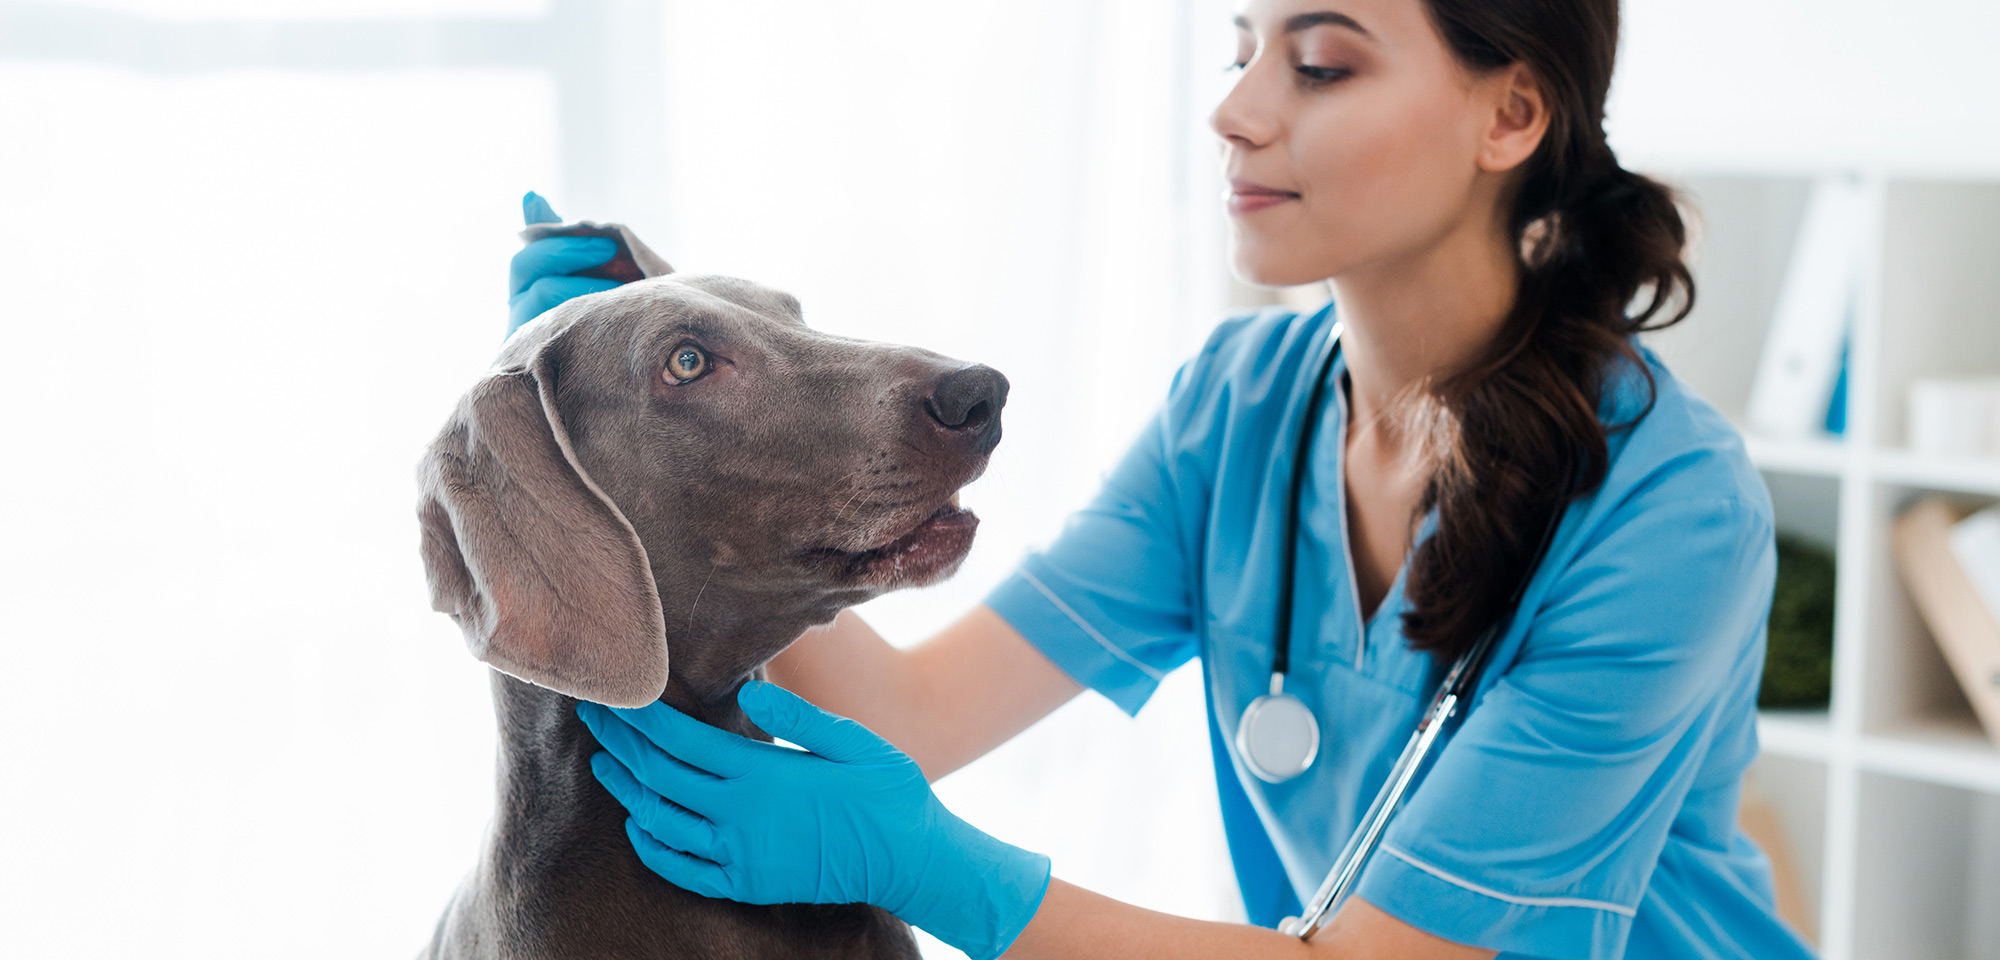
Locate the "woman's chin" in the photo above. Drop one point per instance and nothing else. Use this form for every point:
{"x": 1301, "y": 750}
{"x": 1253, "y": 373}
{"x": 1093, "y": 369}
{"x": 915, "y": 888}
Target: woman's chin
{"x": 1262, "y": 260}
{"x": 1265, "y": 271}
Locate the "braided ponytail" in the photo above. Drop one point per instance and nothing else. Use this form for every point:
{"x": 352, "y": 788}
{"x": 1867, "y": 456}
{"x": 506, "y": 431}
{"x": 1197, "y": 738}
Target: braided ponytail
{"x": 1517, "y": 434}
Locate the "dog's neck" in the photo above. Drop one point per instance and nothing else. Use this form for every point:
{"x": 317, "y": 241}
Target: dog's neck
{"x": 726, "y": 632}
{"x": 545, "y": 750}
{"x": 545, "y": 795}
{"x": 718, "y": 710}
{"x": 561, "y": 879}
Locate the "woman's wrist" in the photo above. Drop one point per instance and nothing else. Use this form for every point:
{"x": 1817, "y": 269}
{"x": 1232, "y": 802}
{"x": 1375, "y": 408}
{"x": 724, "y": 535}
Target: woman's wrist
{"x": 974, "y": 891}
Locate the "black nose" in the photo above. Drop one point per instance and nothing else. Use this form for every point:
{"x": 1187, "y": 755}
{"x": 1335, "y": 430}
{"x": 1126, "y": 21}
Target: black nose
{"x": 969, "y": 401}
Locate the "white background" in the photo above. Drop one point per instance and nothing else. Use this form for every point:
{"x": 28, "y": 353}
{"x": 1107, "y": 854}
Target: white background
{"x": 240, "y": 302}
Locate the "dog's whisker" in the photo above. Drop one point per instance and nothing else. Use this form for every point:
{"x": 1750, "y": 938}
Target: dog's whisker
{"x": 697, "y": 594}
{"x": 841, "y": 513}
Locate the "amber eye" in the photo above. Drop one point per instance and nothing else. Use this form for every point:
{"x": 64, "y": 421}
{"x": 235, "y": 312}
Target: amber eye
{"x": 685, "y": 363}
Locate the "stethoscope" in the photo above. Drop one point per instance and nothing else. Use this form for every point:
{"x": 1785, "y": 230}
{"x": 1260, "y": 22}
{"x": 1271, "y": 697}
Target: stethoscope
{"x": 1278, "y": 738}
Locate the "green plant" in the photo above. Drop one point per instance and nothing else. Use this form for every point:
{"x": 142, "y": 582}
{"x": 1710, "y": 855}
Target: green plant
{"x": 1798, "y": 665}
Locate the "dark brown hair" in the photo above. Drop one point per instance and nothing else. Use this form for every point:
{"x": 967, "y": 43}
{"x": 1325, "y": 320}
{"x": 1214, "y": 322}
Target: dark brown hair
{"x": 1516, "y": 435}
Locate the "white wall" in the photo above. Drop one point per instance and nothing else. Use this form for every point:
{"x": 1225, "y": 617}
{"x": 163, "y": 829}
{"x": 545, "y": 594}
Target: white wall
{"x": 236, "y": 308}
{"x": 1801, "y": 85}
{"x": 239, "y": 302}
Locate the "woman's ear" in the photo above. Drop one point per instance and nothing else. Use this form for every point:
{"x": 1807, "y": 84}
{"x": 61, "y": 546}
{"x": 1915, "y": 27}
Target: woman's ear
{"x": 1520, "y": 119}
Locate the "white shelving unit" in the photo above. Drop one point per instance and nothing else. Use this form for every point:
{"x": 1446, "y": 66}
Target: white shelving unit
{"x": 1891, "y": 798}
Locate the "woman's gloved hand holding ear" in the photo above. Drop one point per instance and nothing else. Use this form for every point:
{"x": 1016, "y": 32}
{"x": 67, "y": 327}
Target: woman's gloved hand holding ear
{"x": 851, "y": 821}
{"x": 538, "y": 278}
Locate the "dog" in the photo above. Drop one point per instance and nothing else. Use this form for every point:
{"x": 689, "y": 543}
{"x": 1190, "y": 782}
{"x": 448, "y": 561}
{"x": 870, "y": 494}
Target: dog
{"x": 654, "y": 491}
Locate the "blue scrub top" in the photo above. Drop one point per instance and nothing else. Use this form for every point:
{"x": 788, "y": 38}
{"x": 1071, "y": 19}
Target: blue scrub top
{"x": 1587, "y": 806}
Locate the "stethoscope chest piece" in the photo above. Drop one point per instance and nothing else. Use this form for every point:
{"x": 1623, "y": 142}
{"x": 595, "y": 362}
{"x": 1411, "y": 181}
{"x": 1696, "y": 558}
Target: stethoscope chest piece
{"x": 1277, "y": 737}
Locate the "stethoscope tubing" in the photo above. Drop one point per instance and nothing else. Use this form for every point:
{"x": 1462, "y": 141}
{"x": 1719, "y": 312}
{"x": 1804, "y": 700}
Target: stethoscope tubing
{"x": 1362, "y": 843}
{"x": 1453, "y": 692}
{"x": 1281, "y": 655}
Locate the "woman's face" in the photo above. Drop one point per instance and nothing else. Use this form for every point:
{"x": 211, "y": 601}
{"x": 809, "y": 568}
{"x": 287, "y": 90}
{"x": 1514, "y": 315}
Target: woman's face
{"x": 1352, "y": 139}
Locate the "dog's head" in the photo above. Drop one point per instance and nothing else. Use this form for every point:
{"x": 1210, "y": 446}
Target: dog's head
{"x": 681, "y": 464}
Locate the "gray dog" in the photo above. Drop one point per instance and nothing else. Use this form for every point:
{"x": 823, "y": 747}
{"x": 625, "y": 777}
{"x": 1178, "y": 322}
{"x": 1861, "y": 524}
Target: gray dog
{"x": 653, "y": 492}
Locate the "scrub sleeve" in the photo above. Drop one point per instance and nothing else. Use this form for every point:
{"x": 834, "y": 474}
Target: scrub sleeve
{"x": 1586, "y": 807}
{"x": 1592, "y": 742}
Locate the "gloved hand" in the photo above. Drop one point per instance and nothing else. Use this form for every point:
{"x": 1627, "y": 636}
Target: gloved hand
{"x": 851, "y": 821}
{"x": 538, "y": 281}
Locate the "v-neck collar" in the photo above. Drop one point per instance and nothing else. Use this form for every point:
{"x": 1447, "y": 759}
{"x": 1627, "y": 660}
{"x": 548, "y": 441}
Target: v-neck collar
{"x": 1392, "y": 599}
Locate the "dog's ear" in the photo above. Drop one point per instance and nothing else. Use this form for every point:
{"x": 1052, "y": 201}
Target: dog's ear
{"x": 633, "y": 261}
{"x": 540, "y": 569}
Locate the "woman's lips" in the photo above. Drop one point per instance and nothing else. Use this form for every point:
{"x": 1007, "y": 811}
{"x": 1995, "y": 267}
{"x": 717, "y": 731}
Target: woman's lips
{"x": 1245, "y": 197}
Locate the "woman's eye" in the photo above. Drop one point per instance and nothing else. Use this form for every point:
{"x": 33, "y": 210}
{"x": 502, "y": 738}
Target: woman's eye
{"x": 686, "y": 363}
{"x": 1318, "y": 75}
{"x": 1238, "y": 65}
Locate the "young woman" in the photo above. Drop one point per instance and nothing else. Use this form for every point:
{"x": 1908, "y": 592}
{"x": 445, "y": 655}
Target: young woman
{"x": 1444, "y": 163}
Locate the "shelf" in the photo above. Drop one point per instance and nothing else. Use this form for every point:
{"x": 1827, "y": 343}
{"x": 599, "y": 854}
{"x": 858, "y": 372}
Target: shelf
{"x": 1805, "y": 734}
{"x": 1812, "y": 457}
{"x": 1950, "y": 753}
{"x": 1979, "y": 475}
{"x": 1826, "y": 457}
{"x": 1953, "y": 753}
{"x": 1893, "y": 812}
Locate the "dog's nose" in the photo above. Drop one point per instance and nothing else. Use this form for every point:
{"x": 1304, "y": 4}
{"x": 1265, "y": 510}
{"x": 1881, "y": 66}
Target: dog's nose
{"x": 968, "y": 401}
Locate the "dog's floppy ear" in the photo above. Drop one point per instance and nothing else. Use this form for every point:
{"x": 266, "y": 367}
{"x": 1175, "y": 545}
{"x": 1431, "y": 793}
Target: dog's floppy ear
{"x": 543, "y": 573}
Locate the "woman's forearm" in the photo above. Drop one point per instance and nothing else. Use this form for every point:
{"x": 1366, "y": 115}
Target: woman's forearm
{"x": 847, "y": 668}
{"x": 945, "y": 702}
{"x": 1075, "y": 923}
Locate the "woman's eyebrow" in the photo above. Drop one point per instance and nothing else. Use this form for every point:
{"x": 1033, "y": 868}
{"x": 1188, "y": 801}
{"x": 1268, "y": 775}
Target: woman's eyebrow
{"x": 1306, "y": 21}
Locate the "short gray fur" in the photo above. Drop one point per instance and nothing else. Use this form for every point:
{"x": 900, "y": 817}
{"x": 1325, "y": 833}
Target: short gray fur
{"x": 610, "y": 536}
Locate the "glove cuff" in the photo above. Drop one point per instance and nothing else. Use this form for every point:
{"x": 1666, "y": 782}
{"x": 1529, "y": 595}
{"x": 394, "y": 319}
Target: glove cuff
{"x": 981, "y": 892}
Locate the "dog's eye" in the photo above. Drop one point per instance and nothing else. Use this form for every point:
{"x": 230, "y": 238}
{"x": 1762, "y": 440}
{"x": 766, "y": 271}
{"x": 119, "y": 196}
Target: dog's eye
{"x": 684, "y": 364}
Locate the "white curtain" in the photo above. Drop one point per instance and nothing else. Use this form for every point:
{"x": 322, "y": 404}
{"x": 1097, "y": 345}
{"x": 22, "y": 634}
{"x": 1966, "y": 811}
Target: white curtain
{"x": 238, "y": 301}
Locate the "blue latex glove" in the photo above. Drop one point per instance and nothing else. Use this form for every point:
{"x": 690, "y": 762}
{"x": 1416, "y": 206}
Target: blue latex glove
{"x": 851, "y": 821}
{"x": 538, "y": 278}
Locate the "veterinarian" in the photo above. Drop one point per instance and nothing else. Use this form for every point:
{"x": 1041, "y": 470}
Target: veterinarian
{"x": 1444, "y": 163}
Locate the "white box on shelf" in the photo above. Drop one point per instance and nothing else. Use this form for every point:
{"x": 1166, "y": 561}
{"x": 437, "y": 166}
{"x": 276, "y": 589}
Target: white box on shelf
{"x": 1955, "y": 417}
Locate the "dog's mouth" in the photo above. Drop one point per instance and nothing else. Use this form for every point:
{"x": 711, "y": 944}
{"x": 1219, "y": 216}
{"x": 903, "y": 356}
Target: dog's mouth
{"x": 926, "y": 554}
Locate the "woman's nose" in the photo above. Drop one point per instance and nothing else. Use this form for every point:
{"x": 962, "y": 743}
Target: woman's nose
{"x": 1245, "y": 118}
